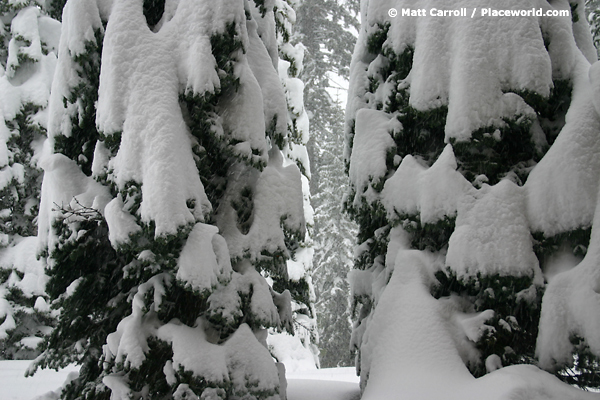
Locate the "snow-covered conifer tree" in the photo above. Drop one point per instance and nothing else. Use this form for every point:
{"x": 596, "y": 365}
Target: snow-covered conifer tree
{"x": 472, "y": 146}
{"x": 592, "y": 10}
{"x": 297, "y": 351}
{"x": 28, "y": 43}
{"x": 168, "y": 205}
{"x": 324, "y": 28}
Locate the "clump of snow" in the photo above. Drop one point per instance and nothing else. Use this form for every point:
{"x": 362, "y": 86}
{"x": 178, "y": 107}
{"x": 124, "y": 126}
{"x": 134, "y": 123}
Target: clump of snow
{"x": 273, "y": 96}
{"x": 121, "y": 224}
{"x": 41, "y": 305}
{"x": 433, "y": 192}
{"x": 371, "y": 145}
{"x": 21, "y": 257}
{"x": 408, "y": 343}
{"x": 63, "y": 182}
{"x": 291, "y": 352}
{"x": 277, "y": 201}
{"x": 302, "y": 261}
{"x": 193, "y": 352}
{"x": 82, "y": 20}
{"x": 562, "y": 189}
{"x": 24, "y": 29}
{"x": 6, "y": 312}
{"x": 474, "y": 325}
{"x": 138, "y": 95}
{"x": 492, "y": 235}
{"x": 26, "y": 81}
{"x": 204, "y": 260}
{"x": 239, "y": 359}
{"x": 248, "y": 360}
{"x": 571, "y": 306}
{"x": 118, "y": 386}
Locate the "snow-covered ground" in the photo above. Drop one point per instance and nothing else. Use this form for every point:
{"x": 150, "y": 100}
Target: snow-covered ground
{"x": 14, "y": 385}
{"x": 323, "y": 384}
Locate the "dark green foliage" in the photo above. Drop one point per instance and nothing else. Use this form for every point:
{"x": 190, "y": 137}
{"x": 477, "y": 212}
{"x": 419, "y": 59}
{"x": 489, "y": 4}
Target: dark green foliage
{"x": 485, "y": 154}
{"x": 153, "y": 11}
{"x": 87, "y": 386}
{"x": 29, "y": 322}
{"x": 398, "y": 66}
{"x": 80, "y": 143}
{"x": 516, "y": 314}
{"x": 149, "y": 377}
{"x": 376, "y": 40}
{"x": 422, "y": 132}
{"x": 432, "y": 236}
{"x": 96, "y": 305}
{"x": 197, "y": 385}
{"x": 576, "y": 240}
{"x": 183, "y": 304}
{"x": 4, "y": 274}
{"x": 574, "y": 13}
{"x": 261, "y": 6}
{"x": 512, "y": 150}
{"x": 10, "y": 7}
{"x": 55, "y": 8}
{"x": 277, "y": 137}
{"x": 298, "y": 289}
{"x": 584, "y": 372}
{"x": 369, "y": 218}
{"x": 22, "y": 198}
{"x": 244, "y": 208}
{"x": 592, "y": 11}
{"x": 373, "y": 230}
{"x": 212, "y": 156}
{"x": 551, "y": 111}
{"x": 225, "y": 47}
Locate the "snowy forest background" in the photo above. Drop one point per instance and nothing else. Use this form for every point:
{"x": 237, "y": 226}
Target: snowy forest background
{"x": 141, "y": 139}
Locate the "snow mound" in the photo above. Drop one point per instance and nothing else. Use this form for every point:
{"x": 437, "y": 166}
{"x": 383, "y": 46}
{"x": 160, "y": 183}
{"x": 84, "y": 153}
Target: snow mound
{"x": 410, "y": 346}
{"x": 371, "y": 143}
{"x": 433, "y": 192}
{"x": 571, "y": 306}
{"x": 492, "y": 235}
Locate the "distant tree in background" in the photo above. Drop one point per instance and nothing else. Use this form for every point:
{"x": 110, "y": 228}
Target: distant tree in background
{"x": 298, "y": 351}
{"x": 592, "y": 11}
{"x": 325, "y": 28}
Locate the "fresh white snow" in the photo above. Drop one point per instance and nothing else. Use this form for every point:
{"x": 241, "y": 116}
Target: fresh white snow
{"x": 323, "y": 384}
{"x": 412, "y": 345}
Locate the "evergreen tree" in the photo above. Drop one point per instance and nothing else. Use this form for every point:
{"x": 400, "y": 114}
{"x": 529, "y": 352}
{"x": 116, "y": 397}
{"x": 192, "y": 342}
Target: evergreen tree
{"x": 592, "y": 11}
{"x": 28, "y": 43}
{"x": 325, "y": 29}
{"x": 168, "y": 205}
{"x": 298, "y": 350}
{"x": 470, "y": 147}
